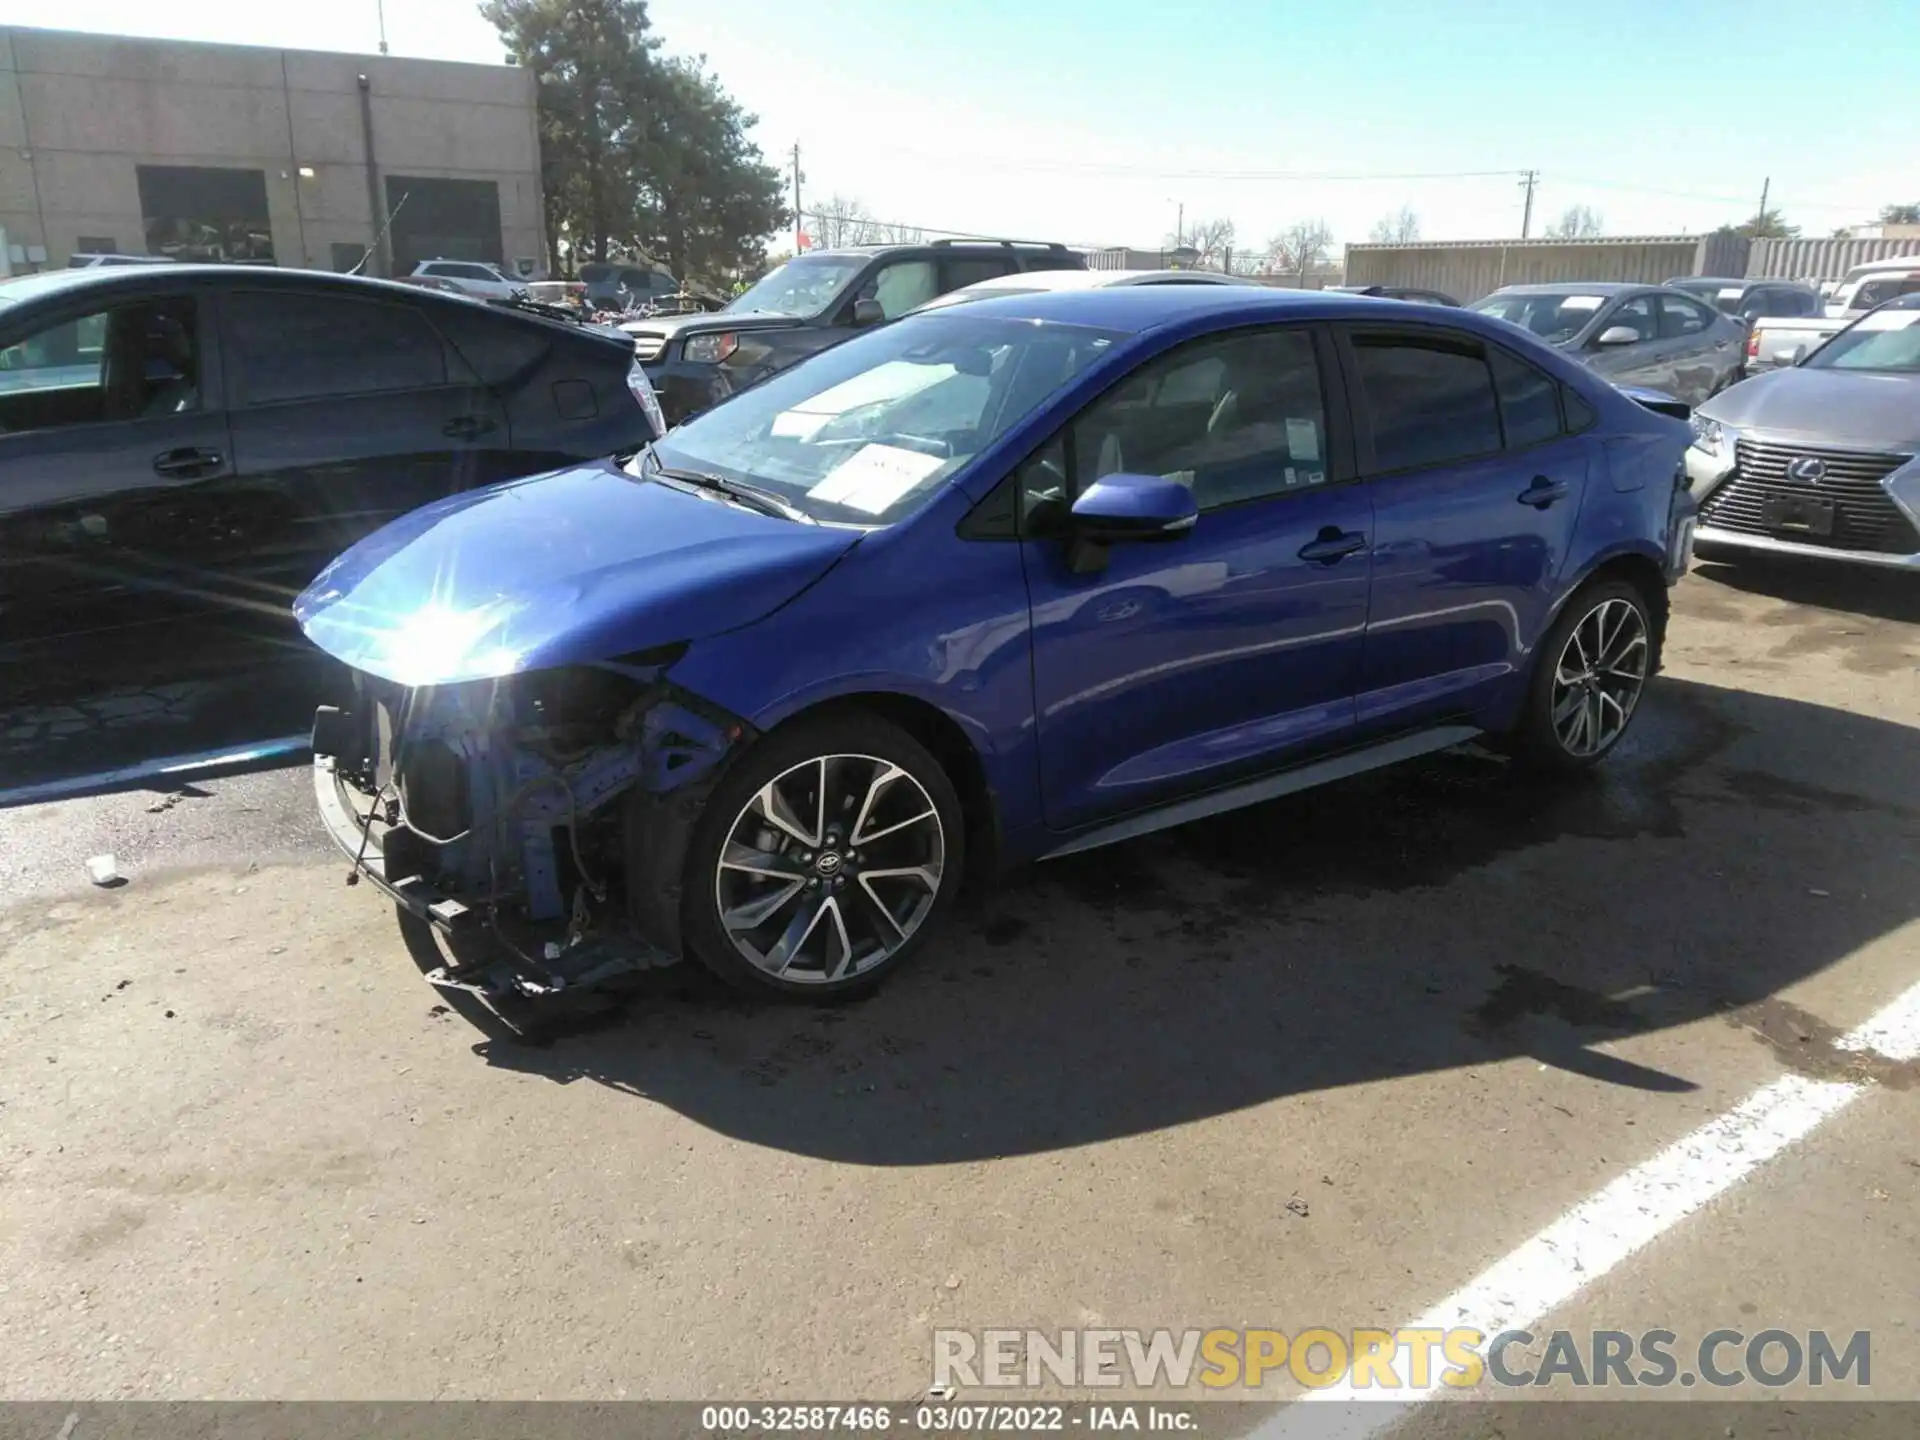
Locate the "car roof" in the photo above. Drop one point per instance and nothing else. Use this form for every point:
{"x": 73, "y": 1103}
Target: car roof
{"x": 136, "y": 280}
{"x": 1027, "y": 280}
{"x": 1577, "y": 287}
{"x": 943, "y": 247}
{"x": 1138, "y": 308}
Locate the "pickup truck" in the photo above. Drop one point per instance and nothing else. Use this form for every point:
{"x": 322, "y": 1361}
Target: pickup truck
{"x": 1775, "y": 341}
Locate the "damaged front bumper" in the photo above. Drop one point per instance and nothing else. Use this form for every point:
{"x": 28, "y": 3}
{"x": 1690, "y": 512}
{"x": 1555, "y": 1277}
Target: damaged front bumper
{"x": 538, "y": 823}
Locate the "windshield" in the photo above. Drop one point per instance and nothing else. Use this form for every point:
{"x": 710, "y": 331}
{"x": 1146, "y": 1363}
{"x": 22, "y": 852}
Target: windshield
{"x": 1555, "y": 318}
{"x": 800, "y": 288}
{"x": 867, "y": 432}
{"x": 1887, "y": 340}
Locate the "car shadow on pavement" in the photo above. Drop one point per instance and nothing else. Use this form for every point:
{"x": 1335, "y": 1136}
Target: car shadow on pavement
{"x": 1851, "y": 589}
{"x": 1451, "y": 913}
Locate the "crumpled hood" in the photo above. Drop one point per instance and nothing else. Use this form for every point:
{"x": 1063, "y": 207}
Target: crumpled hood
{"x": 1847, "y": 408}
{"x": 580, "y": 565}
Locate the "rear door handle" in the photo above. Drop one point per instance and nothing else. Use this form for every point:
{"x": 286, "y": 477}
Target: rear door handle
{"x": 1332, "y": 545}
{"x": 468, "y": 427}
{"x": 188, "y": 463}
{"x": 1542, "y": 493}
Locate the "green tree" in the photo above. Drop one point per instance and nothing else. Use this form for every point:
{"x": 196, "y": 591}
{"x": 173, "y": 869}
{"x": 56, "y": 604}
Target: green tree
{"x": 1900, "y": 214}
{"x": 640, "y": 152}
{"x": 1767, "y": 225}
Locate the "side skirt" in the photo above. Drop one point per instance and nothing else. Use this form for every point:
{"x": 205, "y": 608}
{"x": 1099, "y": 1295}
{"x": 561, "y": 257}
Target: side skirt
{"x": 1268, "y": 787}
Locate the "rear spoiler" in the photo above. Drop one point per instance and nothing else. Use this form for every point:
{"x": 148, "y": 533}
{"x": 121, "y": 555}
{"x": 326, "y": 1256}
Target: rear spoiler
{"x": 1658, "y": 401}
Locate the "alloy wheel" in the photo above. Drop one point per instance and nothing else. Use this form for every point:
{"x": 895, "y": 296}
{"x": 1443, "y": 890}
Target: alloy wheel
{"x": 829, "y": 868}
{"x": 1598, "y": 677}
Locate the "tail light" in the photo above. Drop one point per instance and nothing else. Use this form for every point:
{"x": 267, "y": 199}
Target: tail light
{"x": 642, "y": 389}
{"x": 1753, "y": 342}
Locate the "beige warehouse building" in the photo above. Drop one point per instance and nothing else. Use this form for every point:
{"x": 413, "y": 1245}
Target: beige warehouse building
{"x": 288, "y": 157}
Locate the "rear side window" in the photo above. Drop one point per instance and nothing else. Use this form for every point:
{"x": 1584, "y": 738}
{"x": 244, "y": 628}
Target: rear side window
{"x": 1529, "y": 401}
{"x": 1580, "y": 414}
{"x": 1428, "y": 401}
{"x": 955, "y": 273}
{"x": 496, "y": 348}
{"x": 1680, "y": 316}
{"x": 307, "y": 347}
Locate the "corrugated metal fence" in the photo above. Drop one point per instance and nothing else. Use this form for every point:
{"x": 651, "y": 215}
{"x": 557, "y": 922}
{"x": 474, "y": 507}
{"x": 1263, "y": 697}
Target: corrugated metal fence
{"x": 1820, "y": 259}
{"x": 1470, "y": 269}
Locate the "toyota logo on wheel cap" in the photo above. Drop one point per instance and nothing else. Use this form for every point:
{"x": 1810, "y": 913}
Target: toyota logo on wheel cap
{"x": 1808, "y": 469}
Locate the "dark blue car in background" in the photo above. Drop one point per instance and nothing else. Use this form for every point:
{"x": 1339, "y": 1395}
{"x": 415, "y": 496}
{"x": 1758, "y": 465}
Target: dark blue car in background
{"x": 995, "y": 583}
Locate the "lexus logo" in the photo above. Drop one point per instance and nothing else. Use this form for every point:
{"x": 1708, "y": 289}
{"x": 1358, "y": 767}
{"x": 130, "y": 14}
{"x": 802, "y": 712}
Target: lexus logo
{"x": 1808, "y": 469}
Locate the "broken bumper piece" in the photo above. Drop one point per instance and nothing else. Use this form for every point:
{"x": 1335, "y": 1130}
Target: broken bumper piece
{"x": 535, "y": 863}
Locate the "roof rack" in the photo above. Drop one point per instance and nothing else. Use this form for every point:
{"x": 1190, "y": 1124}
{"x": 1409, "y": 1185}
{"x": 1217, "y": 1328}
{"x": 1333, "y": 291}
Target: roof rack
{"x": 1048, "y": 245}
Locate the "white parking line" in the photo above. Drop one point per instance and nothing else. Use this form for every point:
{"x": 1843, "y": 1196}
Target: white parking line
{"x": 67, "y": 785}
{"x": 1611, "y": 1225}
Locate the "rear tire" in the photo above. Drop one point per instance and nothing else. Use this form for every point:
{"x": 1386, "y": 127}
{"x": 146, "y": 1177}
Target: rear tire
{"x": 824, "y": 860}
{"x": 1588, "y": 678}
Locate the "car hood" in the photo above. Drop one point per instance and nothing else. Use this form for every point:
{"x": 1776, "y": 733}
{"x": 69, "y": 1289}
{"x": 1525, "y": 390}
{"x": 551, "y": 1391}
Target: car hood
{"x": 1841, "y": 407}
{"x": 671, "y": 325}
{"x": 581, "y": 565}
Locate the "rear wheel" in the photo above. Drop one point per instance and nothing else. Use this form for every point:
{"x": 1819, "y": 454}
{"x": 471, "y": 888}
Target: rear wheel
{"x": 1591, "y": 670}
{"x": 824, "y": 859}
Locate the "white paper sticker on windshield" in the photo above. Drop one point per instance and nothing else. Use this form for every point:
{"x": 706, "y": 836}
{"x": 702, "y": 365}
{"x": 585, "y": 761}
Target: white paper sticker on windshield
{"x": 1582, "y": 302}
{"x": 874, "y": 477}
{"x": 1303, "y": 440}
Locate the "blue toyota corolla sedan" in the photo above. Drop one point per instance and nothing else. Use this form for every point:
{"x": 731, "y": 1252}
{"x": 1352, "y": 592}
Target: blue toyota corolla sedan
{"x": 990, "y": 584}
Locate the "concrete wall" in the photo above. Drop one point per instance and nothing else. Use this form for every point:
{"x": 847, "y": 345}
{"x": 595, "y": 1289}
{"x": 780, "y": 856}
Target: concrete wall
{"x": 1823, "y": 259}
{"x": 1470, "y": 269}
{"x": 78, "y": 113}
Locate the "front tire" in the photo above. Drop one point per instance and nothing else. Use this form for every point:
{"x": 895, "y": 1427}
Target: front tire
{"x": 1590, "y": 673}
{"x": 823, "y": 860}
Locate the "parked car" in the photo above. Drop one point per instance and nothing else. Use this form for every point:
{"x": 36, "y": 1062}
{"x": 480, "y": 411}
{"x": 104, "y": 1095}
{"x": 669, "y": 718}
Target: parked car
{"x": 620, "y": 288}
{"x": 1001, "y": 581}
{"x": 812, "y": 303}
{"x": 1396, "y": 292}
{"x": 1032, "y": 282}
{"x": 472, "y": 277}
{"x": 1819, "y": 458}
{"x": 186, "y": 442}
{"x": 1773, "y": 343}
{"x": 1751, "y": 299}
{"x": 1633, "y": 334}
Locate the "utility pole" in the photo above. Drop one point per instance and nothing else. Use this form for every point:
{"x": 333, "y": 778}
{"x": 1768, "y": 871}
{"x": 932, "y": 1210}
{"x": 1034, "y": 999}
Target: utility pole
{"x": 380, "y": 14}
{"x": 1528, "y": 178}
{"x": 1760, "y": 215}
{"x": 1180, "y": 226}
{"x": 799, "y": 225}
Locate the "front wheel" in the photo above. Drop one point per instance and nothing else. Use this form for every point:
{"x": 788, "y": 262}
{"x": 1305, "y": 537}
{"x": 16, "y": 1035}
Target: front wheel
{"x": 1588, "y": 678}
{"x": 825, "y": 858}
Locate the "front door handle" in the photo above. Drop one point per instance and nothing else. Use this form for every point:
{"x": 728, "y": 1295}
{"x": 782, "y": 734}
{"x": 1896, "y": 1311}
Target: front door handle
{"x": 1332, "y": 545}
{"x": 468, "y": 427}
{"x": 187, "y": 463}
{"x": 1542, "y": 493}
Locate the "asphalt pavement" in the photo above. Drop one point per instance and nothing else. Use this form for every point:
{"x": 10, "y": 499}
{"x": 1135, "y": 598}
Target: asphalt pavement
{"x": 1331, "y": 1061}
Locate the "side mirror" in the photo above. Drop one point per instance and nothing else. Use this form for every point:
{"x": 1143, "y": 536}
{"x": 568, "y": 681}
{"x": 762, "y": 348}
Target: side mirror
{"x": 1133, "y": 507}
{"x": 867, "y": 312}
{"x": 1617, "y": 335}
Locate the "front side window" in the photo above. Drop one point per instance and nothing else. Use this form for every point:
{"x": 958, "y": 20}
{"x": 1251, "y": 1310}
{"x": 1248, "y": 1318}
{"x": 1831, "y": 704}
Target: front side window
{"x": 1430, "y": 400}
{"x": 971, "y": 272}
{"x": 801, "y": 288}
{"x": 901, "y": 286}
{"x": 1680, "y": 317}
{"x": 870, "y": 430}
{"x": 131, "y": 362}
{"x": 1234, "y": 418}
{"x": 307, "y": 347}
{"x": 1637, "y": 315}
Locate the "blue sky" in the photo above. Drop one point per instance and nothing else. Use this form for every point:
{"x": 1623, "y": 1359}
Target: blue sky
{"x": 1095, "y": 122}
